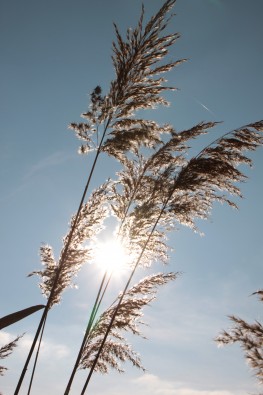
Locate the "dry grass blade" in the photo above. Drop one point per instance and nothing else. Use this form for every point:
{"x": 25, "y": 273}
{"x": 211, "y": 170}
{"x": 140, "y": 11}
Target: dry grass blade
{"x": 137, "y": 60}
{"x": 150, "y": 284}
{"x": 137, "y": 85}
{"x": 193, "y": 185}
{"x": 116, "y": 349}
{"x": 18, "y": 315}
{"x": 88, "y": 225}
{"x": 213, "y": 175}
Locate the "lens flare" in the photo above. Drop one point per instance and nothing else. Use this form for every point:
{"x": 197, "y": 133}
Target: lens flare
{"x": 111, "y": 255}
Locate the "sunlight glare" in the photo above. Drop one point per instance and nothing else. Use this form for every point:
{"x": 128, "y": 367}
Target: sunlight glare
{"x": 111, "y": 256}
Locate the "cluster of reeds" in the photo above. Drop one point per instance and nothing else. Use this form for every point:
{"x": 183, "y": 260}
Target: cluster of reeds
{"x": 157, "y": 188}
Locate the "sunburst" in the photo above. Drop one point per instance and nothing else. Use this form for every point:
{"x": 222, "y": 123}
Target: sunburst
{"x": 111, "y": 255}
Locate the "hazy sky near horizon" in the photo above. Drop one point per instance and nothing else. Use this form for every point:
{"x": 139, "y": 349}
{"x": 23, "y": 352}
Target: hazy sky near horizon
{"x": 53, "y": 54}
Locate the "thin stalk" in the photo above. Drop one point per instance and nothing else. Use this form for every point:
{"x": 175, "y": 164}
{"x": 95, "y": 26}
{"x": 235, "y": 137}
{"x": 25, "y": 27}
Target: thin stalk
{"x": 36, "y": 358}
{"x": 90, "y": 322}
{"x": 85, "y": 338}
{"x": 102, "y": 296}
{"x": 41, "y": 323}
{"x": 63, "y": 257}
{"x": 123, "y": 294}
{"x": 95, "y": 309}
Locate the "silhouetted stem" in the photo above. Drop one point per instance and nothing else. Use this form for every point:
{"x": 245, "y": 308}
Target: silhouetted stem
{"x": 97, "y": 305}
{"x": 36, "y": 358}
{"x": 123, "y": 294}
{"x": 91, "y": 320}
{"x": 102, "y": 296}
{"x": 95, "y": 309}
{"x": 62, "y": 260}
{"x": 134, "y": 269}
{"x": 42, "y": 320}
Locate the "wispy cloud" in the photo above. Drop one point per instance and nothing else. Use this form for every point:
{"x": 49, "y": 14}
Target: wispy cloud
{"x": 52, "y": 160}
{"x": 55, "y": 159}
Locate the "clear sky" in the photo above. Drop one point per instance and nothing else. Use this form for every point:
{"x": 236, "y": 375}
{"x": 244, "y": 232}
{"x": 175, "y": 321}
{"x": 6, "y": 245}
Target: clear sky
{"x": 53, "y": 53}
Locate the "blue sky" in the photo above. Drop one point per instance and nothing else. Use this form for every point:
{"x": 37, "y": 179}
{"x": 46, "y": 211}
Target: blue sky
{"x": 53, "y": 54}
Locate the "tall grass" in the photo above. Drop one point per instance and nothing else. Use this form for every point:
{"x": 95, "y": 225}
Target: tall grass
{"x": 159, "y": 186}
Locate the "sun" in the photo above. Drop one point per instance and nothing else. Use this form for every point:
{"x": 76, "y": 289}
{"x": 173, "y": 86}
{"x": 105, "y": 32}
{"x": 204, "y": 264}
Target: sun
{"x": 111, "y": 255}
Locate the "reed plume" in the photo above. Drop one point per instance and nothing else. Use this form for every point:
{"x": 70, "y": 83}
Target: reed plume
{"x": 89, "y": 223}
{"x": 190, "y": 193}
{"x": 250, "y": 338}
{"x": 128, "y": 319}
{"x": 6, "y": 350}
